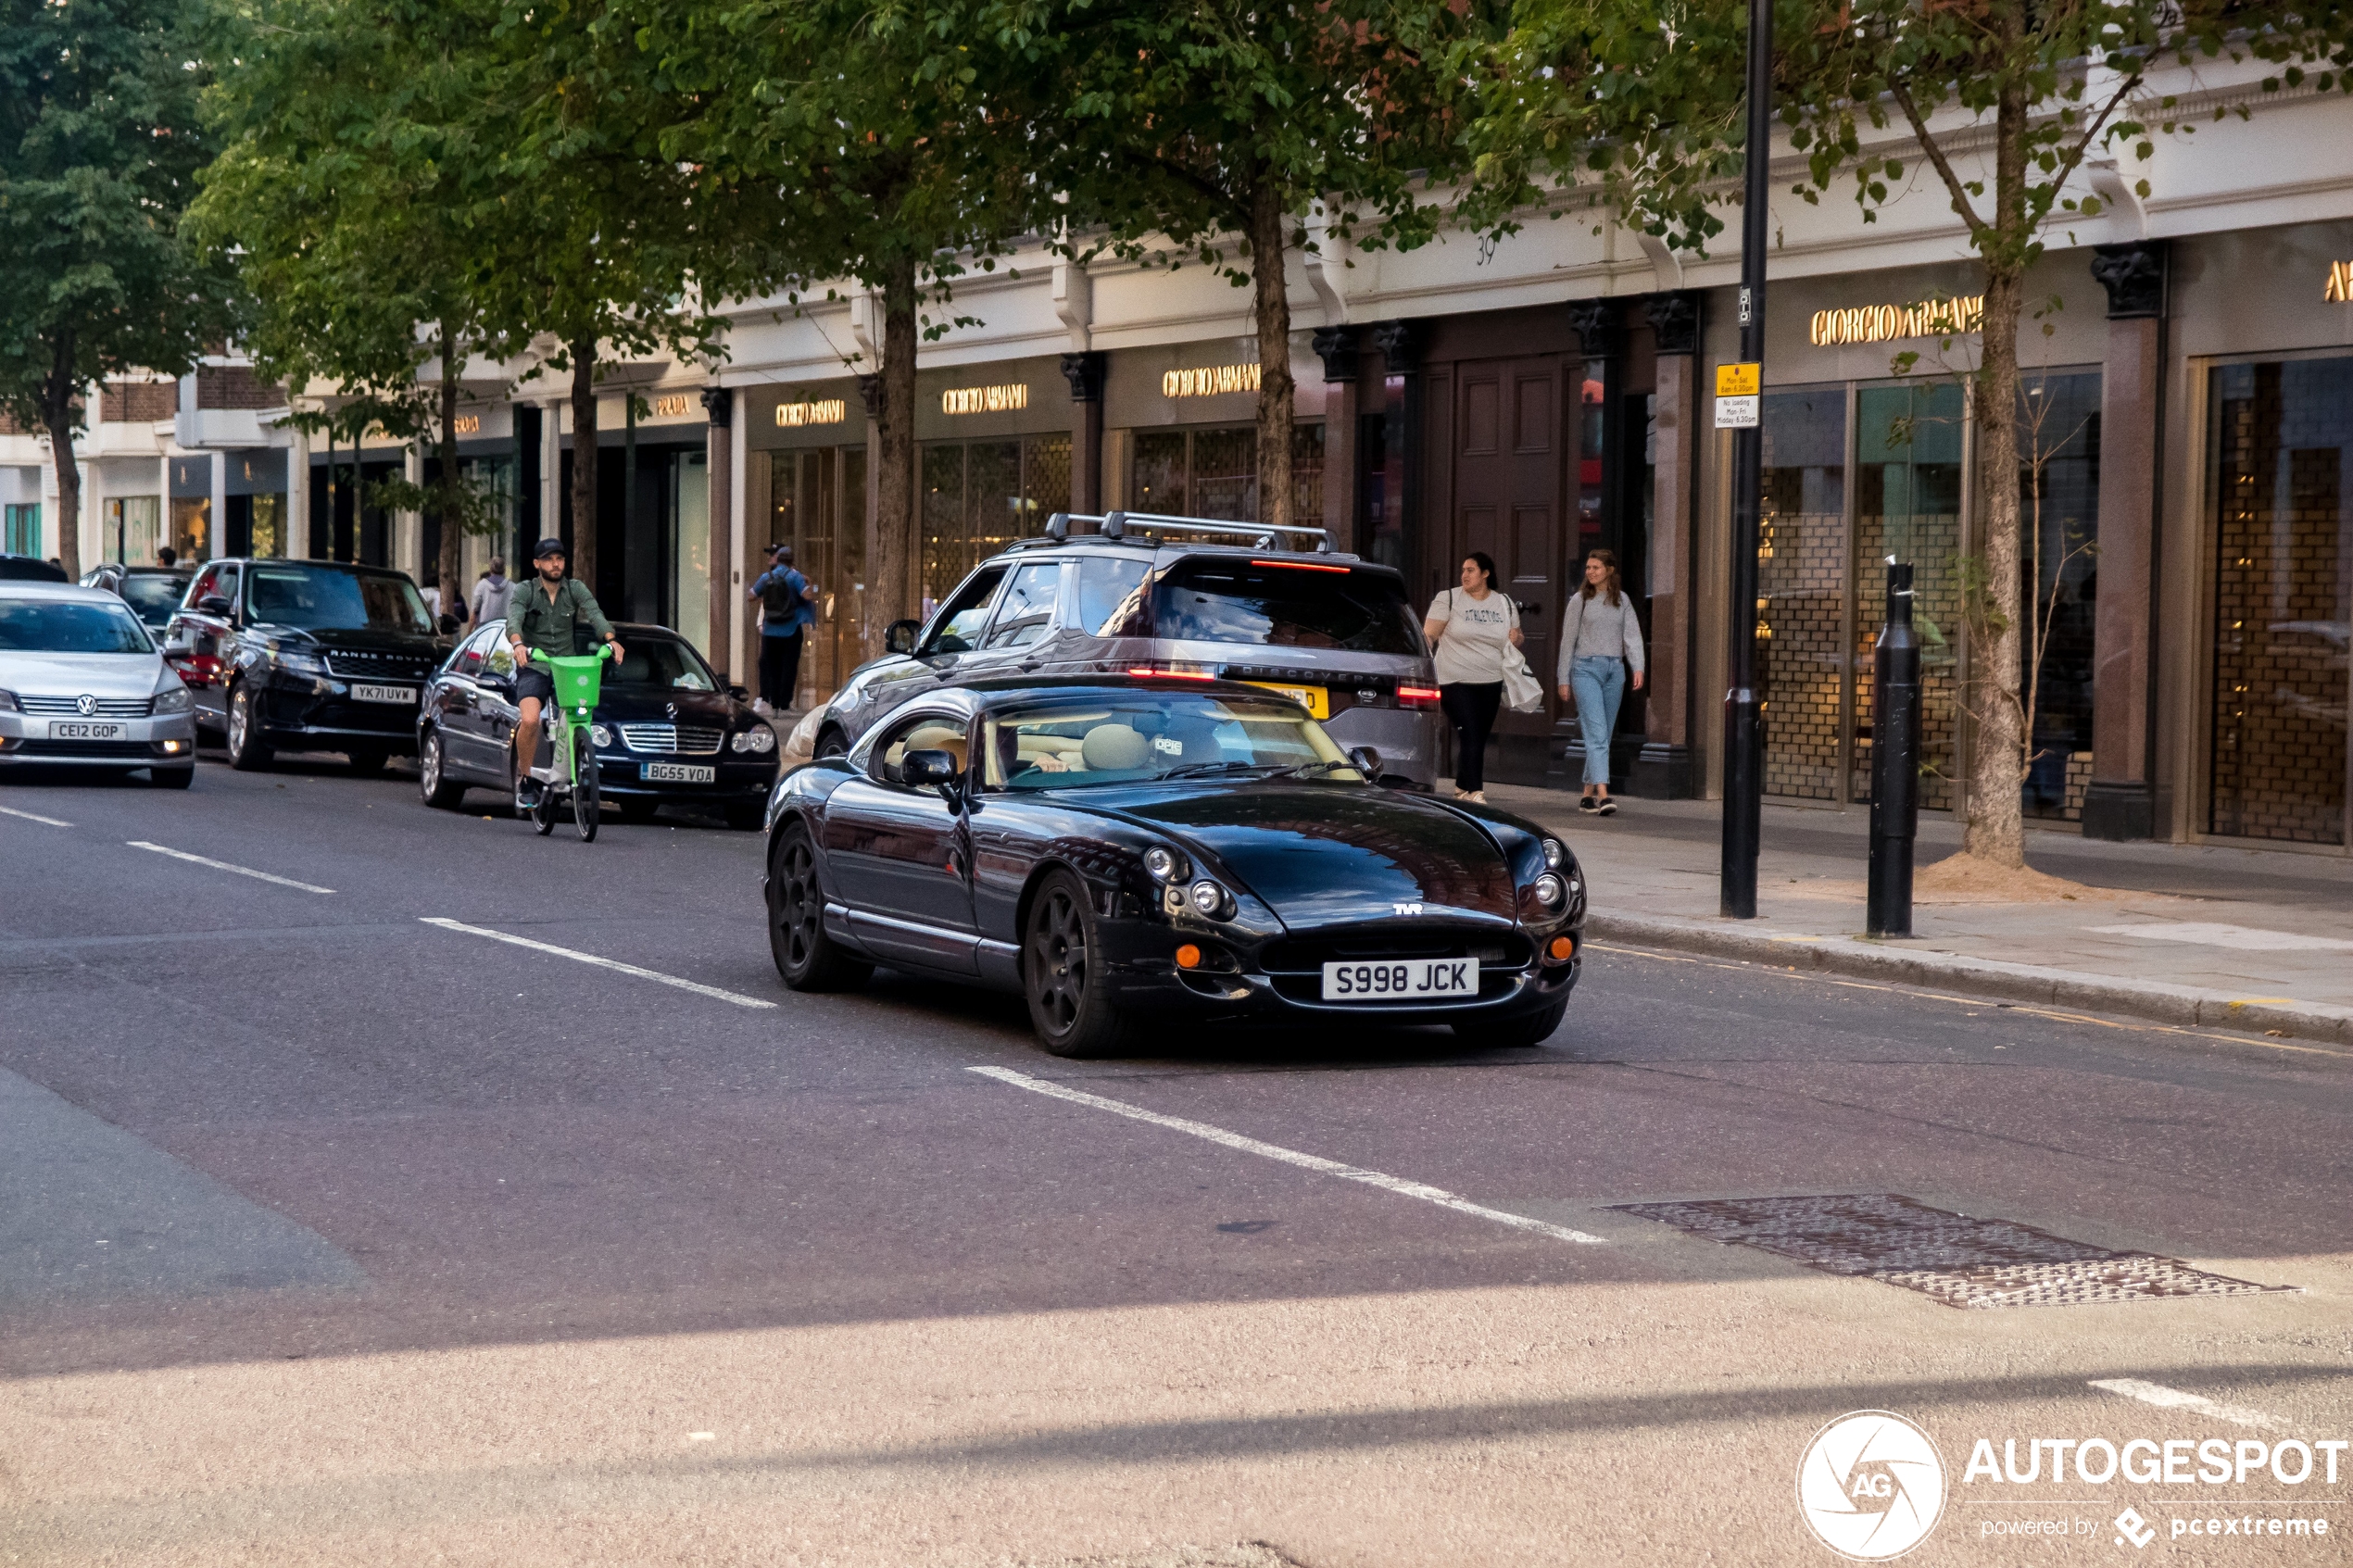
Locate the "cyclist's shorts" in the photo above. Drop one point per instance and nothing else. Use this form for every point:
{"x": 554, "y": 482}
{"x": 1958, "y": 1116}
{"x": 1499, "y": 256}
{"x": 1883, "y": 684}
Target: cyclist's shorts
{"x": 531, "y": 682}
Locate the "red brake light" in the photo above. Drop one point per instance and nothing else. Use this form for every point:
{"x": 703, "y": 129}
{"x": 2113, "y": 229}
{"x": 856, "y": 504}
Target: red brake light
{"x": 1417, "y": 696}
{"x": 1146, "y": 670}
{"x": 1300, "y": 566}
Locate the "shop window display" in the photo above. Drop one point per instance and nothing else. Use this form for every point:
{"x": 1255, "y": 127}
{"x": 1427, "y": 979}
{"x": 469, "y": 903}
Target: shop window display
{"x": 979, "y": 496}
{"x": 2282, "y": 599}
{"x": 2058, "y": 514}
{"x": 817, "y": 501}
{"x": 1908, "y": 504}
{"x": 1213, "y": 473}
{"x": 1801, "y": 580}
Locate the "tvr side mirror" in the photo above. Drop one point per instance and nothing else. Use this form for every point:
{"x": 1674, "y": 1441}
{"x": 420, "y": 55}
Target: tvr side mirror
{"x": 928, "y": 769}
{"x": 899, "y": 636}
{"x": 1367, "y": 761}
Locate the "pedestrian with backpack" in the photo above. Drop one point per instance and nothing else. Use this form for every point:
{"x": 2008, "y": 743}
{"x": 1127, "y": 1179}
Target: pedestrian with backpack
{"x": 787, "y": 607}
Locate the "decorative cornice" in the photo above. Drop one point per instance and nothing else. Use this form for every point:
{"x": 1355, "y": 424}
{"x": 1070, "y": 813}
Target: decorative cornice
{"x": 1674, "y": 319}
{"x": 718, "y": 406}
{"x": 870, "y": 393}
{"x": 2135, "y": 275}
{"x": 1401, "y": 346}
{"x": 1599, "y": 335}
{"x": 1085, "y": 373}
{"x": 1337, "y": 347}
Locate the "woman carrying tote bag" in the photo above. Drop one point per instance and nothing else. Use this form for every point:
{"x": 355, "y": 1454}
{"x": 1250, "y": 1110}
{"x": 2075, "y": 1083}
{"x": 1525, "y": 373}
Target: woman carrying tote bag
{"x": 1475, "y": 633}
{"x": 1598, "y": 632}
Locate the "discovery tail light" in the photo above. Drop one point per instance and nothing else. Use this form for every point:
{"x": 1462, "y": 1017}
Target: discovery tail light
{"x": 1417, "y": 696}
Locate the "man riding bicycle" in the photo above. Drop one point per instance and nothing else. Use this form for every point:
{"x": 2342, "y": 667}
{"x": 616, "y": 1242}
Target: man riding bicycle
{"x": 549, "y": 613}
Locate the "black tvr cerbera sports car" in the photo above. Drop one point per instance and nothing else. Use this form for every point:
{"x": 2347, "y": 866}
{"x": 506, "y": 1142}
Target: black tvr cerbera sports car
{"x": 1177, "y": 849}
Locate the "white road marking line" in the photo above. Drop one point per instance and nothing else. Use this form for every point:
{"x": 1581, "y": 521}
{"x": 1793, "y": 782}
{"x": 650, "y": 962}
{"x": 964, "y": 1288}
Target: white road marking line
{"x": 1398, "y": 1184}
{"x": 34, "y": 817}
{"x": 225, "y": 866}
{"x": 695, "y": 986}
{"x": 2173, "y": 1398}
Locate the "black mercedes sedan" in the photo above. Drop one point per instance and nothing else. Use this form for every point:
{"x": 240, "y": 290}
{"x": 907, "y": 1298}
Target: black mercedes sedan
{"x": 667, "y": 730}
{"x": 305, "y": 656}
{"x": 1192, "y": 851}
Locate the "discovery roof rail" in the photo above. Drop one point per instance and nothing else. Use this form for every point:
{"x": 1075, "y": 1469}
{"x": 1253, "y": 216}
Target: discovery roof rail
{"x": 1118, "y": 525}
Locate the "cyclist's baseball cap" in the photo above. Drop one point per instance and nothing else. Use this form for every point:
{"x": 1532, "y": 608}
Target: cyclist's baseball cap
{"x": 546, "y": 548}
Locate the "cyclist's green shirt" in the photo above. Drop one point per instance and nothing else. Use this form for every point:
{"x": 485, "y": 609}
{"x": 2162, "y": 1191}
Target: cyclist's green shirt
{"x": 552, "y": 626}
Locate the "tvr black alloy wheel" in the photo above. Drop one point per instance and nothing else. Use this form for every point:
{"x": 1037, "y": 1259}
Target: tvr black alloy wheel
{"x": 806, "y": 956}
{"x": 441, "y": 792}
{"x": 1062, "y": 973}
{"x": 247, "y": 752}
{"x": 585, "y": 802}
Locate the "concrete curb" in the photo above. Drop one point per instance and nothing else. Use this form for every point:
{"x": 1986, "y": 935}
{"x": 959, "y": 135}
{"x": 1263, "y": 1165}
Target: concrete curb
{"x": 1908, "y": 964}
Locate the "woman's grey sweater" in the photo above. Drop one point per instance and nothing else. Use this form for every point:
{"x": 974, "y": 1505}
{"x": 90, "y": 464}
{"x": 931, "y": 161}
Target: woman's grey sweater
{"x": 1595, "y": 626}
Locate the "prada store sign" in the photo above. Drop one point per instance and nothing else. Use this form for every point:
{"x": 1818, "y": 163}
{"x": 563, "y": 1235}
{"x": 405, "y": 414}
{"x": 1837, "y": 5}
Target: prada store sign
{"x": 1891, "y": 323}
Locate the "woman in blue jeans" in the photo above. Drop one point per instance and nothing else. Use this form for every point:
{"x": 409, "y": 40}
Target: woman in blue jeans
{"x": 1600, "y": 641}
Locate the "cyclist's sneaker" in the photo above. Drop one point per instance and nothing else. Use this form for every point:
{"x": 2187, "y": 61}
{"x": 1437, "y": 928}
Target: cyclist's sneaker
{"x": 526, "y": 794}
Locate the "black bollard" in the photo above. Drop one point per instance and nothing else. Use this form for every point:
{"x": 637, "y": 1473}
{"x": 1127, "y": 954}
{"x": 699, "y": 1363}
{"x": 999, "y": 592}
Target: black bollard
{"x": 1895, "y": 768}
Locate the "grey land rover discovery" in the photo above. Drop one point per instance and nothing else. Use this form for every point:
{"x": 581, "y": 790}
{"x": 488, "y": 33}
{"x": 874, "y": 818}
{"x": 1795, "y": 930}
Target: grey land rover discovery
{"x": 1171, "y": 595}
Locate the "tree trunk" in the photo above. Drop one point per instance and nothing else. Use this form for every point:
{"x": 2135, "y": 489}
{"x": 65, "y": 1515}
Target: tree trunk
{"x": 1276, "y": 391}
{"x": 1995, "y": 831}
{"x": 452, "y": 564}
{"x": 894, "y": 556}
{"x": 583, "y": 459}
{"x": 56, "y": 409}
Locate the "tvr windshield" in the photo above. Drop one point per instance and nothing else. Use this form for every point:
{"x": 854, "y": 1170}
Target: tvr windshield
{"x": 1157, "y": 735}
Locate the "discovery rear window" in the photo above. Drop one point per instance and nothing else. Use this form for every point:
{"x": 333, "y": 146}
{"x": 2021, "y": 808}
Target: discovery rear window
{"x": 1273, "y": 605}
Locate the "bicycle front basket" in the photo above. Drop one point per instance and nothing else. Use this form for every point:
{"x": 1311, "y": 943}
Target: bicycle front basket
{"x": 577, "y": 681}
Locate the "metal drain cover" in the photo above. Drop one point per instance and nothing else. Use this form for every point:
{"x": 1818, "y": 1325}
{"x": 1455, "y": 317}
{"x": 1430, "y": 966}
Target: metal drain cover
{"x": 1957, "y": 1259}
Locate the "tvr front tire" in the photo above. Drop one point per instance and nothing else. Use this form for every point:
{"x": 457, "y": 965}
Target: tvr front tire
{"x": 1063, "y": 973}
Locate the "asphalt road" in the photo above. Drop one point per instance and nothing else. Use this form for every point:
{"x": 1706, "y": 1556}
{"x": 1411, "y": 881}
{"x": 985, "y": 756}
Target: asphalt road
{"x": 330, "y": 1234}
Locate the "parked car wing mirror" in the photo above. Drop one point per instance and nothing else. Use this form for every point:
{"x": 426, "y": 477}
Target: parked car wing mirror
{"x": 741, "y": 693}
{"x": 215, "y": 604}
{"x": 899, "y": 636}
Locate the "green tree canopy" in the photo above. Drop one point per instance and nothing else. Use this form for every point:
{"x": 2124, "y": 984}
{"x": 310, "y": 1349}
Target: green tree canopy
{"x": 100, "y": 141}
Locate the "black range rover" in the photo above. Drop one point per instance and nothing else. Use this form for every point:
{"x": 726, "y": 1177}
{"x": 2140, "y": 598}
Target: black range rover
{"x": 305, "y": 656}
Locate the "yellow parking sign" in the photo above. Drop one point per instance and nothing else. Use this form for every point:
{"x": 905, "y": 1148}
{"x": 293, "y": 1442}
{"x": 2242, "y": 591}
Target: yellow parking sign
{"x": 1738, "y": 381}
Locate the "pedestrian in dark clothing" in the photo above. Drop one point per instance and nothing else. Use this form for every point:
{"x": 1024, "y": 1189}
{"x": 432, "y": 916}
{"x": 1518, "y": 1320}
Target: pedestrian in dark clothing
{"x": 787, "y": 607}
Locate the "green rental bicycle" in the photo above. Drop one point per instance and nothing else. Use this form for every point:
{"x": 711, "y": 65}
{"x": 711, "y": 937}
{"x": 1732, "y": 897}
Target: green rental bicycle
{"x": 573, "y": 771}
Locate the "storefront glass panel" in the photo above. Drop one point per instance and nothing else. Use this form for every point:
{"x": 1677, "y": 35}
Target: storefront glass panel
{"x": 1908, "y": 504}
{"x": 817, "y": 504}
{"x": 132, "y": 523}
{"x": 2058, "y": 461}
{"x": 1213, "y": 473}
{"x": 2282, "y": 599}
{"x": 20, "y": 529}
{"x": 1801, "y": 586}
{"x": 979, "y": 496}
{"x": 690, "y": 556}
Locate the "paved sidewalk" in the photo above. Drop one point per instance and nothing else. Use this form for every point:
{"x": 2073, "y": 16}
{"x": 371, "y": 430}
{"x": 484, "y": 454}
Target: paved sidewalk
{"x": 2237, "y": 939}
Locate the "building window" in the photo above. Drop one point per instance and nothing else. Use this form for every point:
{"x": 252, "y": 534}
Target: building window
{"x": 2282, "y": 599}
{"x": 1213, "y": 473}
{"x": 2059, "y": 463}
{"x": 1908, "y": 504}
{"x": 20, "y": 529}
{"x": 979, "y": 496}
{"x": 1801, "y": 590}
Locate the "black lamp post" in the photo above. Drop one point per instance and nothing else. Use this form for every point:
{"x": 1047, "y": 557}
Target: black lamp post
{"x": 1743, "y": 727}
